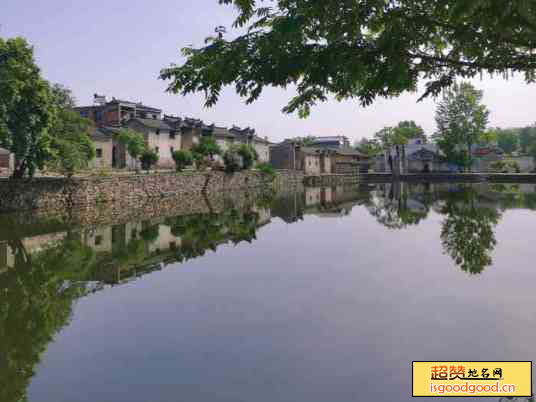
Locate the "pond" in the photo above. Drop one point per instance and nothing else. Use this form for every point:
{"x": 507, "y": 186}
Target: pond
{"x": 322, "y": 294}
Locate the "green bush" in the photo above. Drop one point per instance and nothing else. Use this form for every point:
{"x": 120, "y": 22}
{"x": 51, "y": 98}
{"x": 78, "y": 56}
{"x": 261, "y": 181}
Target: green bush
{"x": 266, "y": 168}
{"x": 148, "y": 159}
{"x": 232, "y": 160}
{"x": 248, "y": 154}
{"x": 207, "y": 147}
{"x": 182, "y": 159}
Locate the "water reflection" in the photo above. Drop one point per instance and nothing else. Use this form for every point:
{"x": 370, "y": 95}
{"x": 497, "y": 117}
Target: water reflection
{"x": 468, "y": 230}
{"x": 47, "y": 266}
{"x": 470, "y": 214}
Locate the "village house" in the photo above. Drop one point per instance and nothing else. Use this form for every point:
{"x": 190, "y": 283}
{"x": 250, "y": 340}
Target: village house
{"x": 333, "y": 142}
{"x": 115, "y": 112}
{"x": 328, "y": 155}
{"x": 164, "y": 134}
{"x": 419, "y": 157}
{"x": 160, "y": 136}
{"x": 292, "y": 155}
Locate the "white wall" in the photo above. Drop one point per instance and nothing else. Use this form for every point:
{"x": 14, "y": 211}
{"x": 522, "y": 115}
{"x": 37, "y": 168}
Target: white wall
{"x": 164, "y": 142}
{"x": 263, "y": 150}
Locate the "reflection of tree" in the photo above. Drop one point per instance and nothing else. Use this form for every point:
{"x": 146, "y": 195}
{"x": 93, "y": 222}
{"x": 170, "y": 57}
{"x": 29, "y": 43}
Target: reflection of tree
{"x": 199, "y": 233}
{"x": 468, "y": 231}
{"x": 396, "y": 207}
{"x": 36, "y": 301}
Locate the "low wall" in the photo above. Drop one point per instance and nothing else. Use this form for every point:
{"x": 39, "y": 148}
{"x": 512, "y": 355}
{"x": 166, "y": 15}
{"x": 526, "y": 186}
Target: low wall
{"x": 61, "y": 193}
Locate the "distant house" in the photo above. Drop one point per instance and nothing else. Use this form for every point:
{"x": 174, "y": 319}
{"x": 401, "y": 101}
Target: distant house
{"x": 334, "y": 142}
{"x": 414, "y": 157}
{"x": 349, "y": 161}
{"x": 292, "y": 155}
{"x": 116, "y": 111}
{"x": 248, "y": 136}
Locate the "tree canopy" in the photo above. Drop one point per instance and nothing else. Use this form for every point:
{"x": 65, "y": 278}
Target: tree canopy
{"x": 37, "y": 121}
{"x": 71, "y": 148}
{"x": 388, "y": 137}
{"x": 358, "y": 49}
{"x": 26, "y": 111}
{"x": 461, "y": 121}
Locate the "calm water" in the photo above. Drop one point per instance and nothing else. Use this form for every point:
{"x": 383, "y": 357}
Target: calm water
{"x": 326, "y": 295}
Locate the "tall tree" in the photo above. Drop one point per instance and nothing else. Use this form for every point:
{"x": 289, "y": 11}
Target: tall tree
{"x": 133, "y": 142}
{"x": 26, "y": 109}
{"x": 368, "y": 147}
{"x": 410, "y": 130}
{"x": 461, "y": 120}
{"x": 358, "y": 49}
{"x": 71, "y": 146}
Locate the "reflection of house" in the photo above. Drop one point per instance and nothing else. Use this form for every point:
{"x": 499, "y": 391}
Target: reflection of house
{"x": 313, "y": 196}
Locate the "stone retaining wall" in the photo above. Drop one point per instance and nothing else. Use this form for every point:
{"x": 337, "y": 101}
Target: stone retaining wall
{"x": 61, "y": 194}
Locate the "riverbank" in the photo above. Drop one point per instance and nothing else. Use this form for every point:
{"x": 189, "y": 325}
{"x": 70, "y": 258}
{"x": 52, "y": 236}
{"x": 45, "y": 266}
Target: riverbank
{"x": 451, "y": 177}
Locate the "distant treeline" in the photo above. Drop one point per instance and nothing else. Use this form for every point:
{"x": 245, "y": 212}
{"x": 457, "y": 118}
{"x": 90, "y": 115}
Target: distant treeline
{"x": 522, "y": 140}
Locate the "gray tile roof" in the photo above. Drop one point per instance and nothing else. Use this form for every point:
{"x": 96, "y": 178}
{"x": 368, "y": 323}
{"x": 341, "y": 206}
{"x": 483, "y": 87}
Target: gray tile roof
{"x": 349, "y": 152}
{"x": 104, "y": 133}
{"x": 4, "y": 151}
{"x": 153, "y": 123}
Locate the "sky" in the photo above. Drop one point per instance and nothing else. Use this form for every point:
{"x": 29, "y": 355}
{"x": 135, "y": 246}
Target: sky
{"x": 118, "y": 49}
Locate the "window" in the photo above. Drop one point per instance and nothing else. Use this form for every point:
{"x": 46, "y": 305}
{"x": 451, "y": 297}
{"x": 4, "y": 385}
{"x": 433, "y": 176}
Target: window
{"x": 171, "y": 149}
{"x": 157, "y": 132}
{"x": 98, "y": 240}
{"x": 157, "y": 150}
{"x": 172, "y": 135}
{"x": 99, "y": 153}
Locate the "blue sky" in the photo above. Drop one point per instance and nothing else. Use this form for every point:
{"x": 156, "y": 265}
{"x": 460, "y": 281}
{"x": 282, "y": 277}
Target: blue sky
{"x": 118, "y": 48}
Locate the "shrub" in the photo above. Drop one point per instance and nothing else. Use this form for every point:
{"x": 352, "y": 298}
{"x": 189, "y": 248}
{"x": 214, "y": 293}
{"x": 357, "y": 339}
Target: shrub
{"x": 148, "y": 159}
{"x": 232, "y": 160}
{"x": 207, "y": 147}
{"x": 266, "y": 168}
{"x": 248, "y": 154}
{"x": 182, "y": 159}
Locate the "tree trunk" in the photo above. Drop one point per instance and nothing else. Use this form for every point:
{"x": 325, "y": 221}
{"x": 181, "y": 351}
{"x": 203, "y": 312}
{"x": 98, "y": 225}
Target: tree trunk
{"x": 20, "y": 169}
{"x": 469, "y": 157}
